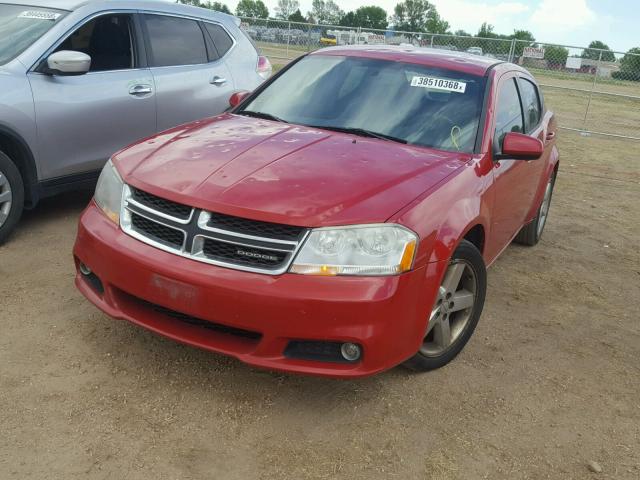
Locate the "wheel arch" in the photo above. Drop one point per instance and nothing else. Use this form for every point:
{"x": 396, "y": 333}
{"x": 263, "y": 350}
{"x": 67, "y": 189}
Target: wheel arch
{"x": 17, "y": 149}
{"x": 466, "y": 221}
{"x": 551, "y": 168}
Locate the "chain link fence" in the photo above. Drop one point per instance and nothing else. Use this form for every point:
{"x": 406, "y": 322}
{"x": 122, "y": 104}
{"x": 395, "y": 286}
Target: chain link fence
{"x": 591, "y": 91}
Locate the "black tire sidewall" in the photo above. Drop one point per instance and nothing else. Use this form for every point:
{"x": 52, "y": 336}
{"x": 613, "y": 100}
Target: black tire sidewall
{"x": 11, "y": 172}
{"x": 537, "y": 235}
{"x": 468, "y": 252}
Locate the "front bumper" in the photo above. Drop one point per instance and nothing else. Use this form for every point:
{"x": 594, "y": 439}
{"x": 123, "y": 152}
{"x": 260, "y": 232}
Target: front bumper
{"x": 385, "y": 315}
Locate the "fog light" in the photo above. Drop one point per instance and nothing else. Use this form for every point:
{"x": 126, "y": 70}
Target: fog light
{"x": 84, "y": 269}
{"x": 350, "y": 351}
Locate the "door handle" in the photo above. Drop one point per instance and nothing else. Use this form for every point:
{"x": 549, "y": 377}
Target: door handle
{"x": 140, "y": 90}
{"x": 550, "y": 136}
{"x": 218, "y": 81}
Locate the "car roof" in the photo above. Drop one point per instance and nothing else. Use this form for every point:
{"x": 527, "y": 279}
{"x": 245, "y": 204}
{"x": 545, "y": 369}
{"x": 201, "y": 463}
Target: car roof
{"x": 458, "y": 61}
{"x": 70, "y": 5}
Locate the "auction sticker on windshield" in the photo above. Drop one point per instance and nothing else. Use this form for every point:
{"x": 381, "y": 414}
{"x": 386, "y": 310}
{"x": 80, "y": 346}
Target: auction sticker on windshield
{"x": 39, "y": 15}
{"x": 439, "y": 84}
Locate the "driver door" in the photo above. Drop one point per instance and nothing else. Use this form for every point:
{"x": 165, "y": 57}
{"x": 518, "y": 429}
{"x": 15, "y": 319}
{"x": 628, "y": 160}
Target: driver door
{"x": 515, "y": 181}
{"x": 82, "y": 120}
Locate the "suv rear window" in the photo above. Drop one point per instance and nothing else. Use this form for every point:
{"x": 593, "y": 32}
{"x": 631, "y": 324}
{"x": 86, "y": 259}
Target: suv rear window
{"x": 422, "y": 105}
{"x": 175, "y": 41}
{"x": 220, "y": 38}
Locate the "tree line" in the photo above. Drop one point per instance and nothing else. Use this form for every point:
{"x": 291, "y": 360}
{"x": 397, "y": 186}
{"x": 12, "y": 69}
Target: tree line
{"x": 418, "y": 16}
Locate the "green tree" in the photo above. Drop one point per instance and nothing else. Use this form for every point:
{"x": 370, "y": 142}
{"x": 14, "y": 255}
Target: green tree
{"x": 556, "y": 56}
{"x": 371, "y": 17}
{"x": 218, "y": 6}
{"x": 417, "y": 16}
{"x": 326, "y": 12}
{"x": 297, "y": 17}
{"x": 286, "y": 8}
{"x": 630, "y": 66}
{"x": 593, "y": 52}
{"x": 524, "y": 38}
{"x": 436, "y": 24}
{"x": 252, "y": 9}
{"x": 349, "y": 20}
{"x": 486, "y": 31}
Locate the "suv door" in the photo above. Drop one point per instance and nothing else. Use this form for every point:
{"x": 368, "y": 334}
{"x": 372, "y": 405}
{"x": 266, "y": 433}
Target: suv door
{"x": 515, "y": 181}
{"x": 192, "y": 80}
{"x": 82, "y": 120}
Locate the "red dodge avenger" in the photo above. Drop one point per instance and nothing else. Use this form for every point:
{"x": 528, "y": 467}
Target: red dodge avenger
{"x": 337, "y": 221}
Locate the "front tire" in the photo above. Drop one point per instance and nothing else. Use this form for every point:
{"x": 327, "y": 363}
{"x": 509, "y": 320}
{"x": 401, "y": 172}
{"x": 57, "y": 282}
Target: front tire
{"x": 456, "y": 312}
{"x": 11, "y": 196}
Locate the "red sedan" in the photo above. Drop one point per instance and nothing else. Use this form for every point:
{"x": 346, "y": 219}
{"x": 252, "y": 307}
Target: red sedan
{"x": 337, "y": 221}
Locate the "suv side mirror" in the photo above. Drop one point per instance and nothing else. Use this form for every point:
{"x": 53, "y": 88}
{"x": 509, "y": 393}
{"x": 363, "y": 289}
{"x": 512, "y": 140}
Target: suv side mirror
{"x": 517, "y": 146}
{"x": 237, "y": 98}
{"x": 68, "y": 62}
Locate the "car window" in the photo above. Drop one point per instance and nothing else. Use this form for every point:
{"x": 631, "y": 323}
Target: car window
{"x": 175, "y": 41}
{"x": 220, "y": 38}
{"x": 20, "y": 26}
{"x": 508, "y": 111}
{"x": 421, "y": 105}
{"x": 530, "y": 104}
{"x": 108, "y": 40}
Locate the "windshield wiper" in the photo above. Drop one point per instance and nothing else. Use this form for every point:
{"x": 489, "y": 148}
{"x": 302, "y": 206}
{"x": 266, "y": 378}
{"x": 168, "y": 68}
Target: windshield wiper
{"x": 266, "y": 116}
{"x": 362, "y": 132}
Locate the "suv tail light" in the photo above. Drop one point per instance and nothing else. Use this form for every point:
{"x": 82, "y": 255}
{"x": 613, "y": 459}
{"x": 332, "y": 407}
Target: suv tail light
{"x": 264, "y": 68}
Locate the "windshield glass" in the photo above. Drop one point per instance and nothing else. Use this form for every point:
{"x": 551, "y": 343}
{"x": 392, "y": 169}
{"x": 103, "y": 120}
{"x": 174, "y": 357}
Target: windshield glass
{"x": 21, "y": 25}
{"x": 415, "y": 104}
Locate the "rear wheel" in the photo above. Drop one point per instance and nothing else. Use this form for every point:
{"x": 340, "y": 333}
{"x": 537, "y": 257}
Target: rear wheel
{"x": 11, "y": 196}
{"x": 530, "y": 234}
{"x": 456, "y": 312}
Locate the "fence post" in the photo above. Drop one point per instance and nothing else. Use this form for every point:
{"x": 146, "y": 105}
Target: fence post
{"x": 512, "y": 50}
{"x": 431, "y": 41}
{"x": 593, "y": 87}
{"x": 288, "y": 39}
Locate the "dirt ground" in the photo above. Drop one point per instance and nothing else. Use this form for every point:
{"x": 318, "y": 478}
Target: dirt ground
{"x": 549, "y": 382}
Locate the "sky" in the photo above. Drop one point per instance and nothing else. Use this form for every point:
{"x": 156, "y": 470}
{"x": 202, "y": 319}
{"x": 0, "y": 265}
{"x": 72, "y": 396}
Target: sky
{"x": 567, "y": 22}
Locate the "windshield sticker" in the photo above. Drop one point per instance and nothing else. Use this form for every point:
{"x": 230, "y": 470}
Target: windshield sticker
{"x": 39, "y": 15}
{"x": 439, "y": 84}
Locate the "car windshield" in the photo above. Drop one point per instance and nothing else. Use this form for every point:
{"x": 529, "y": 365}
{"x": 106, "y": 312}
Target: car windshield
{"x": 21, "y": 25}
{"x": 410, "y": 103}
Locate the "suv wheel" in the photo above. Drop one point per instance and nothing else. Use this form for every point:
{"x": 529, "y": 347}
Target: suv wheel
{"x": 11, "y": 196}
{"x": 456, "y": 312}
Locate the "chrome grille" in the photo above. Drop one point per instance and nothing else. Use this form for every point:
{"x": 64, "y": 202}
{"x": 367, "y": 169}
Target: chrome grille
{"x": 209, "y": 237}
{"x": 167, "y": 207}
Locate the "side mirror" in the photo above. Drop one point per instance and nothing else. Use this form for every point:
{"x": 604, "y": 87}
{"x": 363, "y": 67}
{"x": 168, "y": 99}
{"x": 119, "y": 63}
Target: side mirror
{"x": 68, "y": 62}
{"x": 517, "y": 146}
{"x": 238, "y": 97}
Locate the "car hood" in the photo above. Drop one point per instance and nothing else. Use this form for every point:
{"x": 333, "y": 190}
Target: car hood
{"x": 283, "y": 173}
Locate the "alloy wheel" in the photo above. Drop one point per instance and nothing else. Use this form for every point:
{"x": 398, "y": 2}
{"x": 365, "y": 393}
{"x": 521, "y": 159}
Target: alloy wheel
{"x": 453, "y": 309}
{"x": 6, "y": 198}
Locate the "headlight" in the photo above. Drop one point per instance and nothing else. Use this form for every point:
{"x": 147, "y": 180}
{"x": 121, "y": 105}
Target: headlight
{"x": 385, "y": 249}
{"x": 108, "y": 194}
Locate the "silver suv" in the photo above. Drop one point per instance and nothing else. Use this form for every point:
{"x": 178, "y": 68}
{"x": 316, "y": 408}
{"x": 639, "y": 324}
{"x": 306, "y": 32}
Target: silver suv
{"x": 81, "y": 79}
